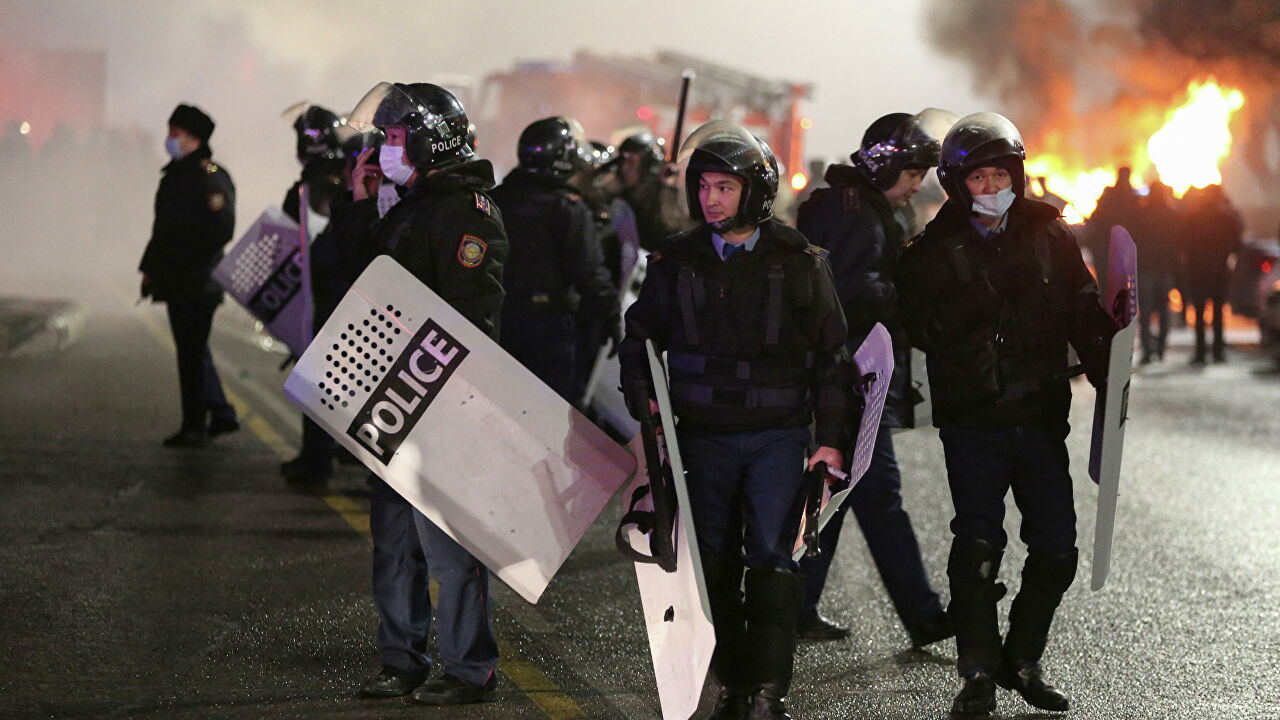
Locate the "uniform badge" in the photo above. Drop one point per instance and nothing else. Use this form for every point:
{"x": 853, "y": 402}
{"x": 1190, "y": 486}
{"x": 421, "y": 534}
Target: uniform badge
{"x": 482, "y": 204}
{"x": 217, "y": 201}
{"x": 471, "y": 251}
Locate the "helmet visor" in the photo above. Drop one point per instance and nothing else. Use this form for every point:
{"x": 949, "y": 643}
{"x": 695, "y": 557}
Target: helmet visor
{"x": 385, "y": 105}
{"x": 921, "y": 136}
{"x": 730, "y": 143}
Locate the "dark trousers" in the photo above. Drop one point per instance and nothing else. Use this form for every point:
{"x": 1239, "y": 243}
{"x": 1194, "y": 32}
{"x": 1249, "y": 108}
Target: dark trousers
{"x": 1153, "y": 299}
{"x": 877, "y": 504}
{"x": 984, "y": 464}
{"x": 405, "y": 545}
{"x": 547, "y": 346}
{"x": 745, "y": 492}
{"x": 318, "y": 446}
{"x": 1198, "y": 304}
{"x": 202, "y": 397}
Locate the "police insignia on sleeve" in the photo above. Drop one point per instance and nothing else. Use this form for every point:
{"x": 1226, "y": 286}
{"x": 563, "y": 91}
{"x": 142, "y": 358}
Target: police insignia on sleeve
{"x": 471, "y": 251}
{"x": 482, "y": 204}
{"x": 217, "y": 201}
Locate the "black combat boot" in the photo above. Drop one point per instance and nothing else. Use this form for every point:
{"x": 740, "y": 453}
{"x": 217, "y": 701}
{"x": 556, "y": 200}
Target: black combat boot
{"x": 1045, "y": 577}
{"x": 972, "y": 569}
{"x": 773, "y": 609}
{"x": 723, "y": 575}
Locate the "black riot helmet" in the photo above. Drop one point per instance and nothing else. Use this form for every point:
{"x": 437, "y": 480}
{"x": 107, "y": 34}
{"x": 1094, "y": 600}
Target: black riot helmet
{"x": 650, "y": 147}
{"x": 436, "y": 124}
{"x": 981, "y": 140}
{"x": 317, "y": 131}
{"x": 554, "y": 146}
{"x": 724, "y": 147}
{"x": 899, "y": 141}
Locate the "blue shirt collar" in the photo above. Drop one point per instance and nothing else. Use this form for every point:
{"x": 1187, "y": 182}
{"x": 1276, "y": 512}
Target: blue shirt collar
{"x": 987, "y": 232}
{"x": 749, "y": 245}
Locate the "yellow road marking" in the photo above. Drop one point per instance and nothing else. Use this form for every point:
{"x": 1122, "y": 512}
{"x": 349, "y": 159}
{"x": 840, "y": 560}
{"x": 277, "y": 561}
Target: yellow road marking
{"x": 526, "y": 676}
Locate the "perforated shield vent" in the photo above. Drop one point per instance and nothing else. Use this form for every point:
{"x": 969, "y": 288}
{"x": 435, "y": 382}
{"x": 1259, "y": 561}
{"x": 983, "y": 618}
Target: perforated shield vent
{"x": 361, "y": 356}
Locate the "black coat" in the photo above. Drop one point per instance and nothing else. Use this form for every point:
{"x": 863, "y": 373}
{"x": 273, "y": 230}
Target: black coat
{"x": 194, "y": 217}
{"x": 855, "y": 223}
{"x": 995, "y": 316}
{"x": 448, "y": 232}
{"x": 555, "y": 263}
{"x": 731, "y": 317}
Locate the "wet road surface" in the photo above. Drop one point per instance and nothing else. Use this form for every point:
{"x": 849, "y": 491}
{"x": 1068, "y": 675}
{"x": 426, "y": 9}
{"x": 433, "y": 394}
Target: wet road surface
{"x": 140, "y": 582}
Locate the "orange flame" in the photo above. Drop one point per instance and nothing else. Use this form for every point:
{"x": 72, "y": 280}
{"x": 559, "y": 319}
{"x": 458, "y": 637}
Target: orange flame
{"x": 1184, "y": 153}
{"x": 1187, "y": 150}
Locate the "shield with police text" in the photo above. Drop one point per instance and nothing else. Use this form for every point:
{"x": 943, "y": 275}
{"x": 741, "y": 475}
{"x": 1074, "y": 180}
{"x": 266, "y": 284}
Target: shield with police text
{"x": 1111, "y": 411}
{"x": 677, "y": 615}
{"x": 873, "y": 363}
{"x": 457, "y": 426}
{"x": 266, "y": 273}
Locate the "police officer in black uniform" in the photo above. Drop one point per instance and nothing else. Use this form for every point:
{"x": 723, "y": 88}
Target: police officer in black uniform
{"x": 556, "y": 264}
{"x": 195, "y": 215}
{"x": 640, "y": 162}
{"x": 448, "y": 232}
{"x": 854, "y": 219}
{"x": 754, "y": 334}
{"x": 993, "y": 291}
{"x": 321, "y": 154}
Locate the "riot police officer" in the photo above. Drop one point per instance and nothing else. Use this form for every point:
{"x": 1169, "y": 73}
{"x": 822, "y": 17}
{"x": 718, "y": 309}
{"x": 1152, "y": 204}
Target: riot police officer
{"x": 555, "y": 264}
{"x": 854, "y": 220}
{"x": 640, "y": 165}
{"x": 321, "y": 154}
{"x": 448, "y": 232}
{"x": 754, "y": 334}
{"x": 195, "y": 215}
{"x": 993, "y": 291}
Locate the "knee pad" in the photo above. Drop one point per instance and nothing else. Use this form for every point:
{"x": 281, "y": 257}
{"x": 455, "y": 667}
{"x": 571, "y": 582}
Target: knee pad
{"x": 1050, "y": 573}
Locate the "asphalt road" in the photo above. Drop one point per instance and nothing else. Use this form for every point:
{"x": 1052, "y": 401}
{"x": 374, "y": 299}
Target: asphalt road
{"x": 140, "y": 582}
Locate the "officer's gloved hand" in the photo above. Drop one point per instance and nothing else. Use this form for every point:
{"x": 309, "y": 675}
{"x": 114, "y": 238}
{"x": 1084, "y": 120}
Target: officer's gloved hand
{"x": 1014, "y": 274}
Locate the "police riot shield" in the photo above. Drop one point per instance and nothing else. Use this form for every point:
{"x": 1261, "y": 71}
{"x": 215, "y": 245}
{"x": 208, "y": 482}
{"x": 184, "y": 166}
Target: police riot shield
{"x": 265, "y": 272}
{"x": 874, "y": 364}
{"x": 457, "y": 426}
{"x": 1112, "y": 407}
{"x": 677, "y": 615}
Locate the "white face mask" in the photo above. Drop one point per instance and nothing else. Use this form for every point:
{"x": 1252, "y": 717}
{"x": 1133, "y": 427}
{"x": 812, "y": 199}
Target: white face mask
{"x": 387, "y": 198}
{"x": 174, "y": 147}
{"x": 391, "y": 160}
{"x": 995, "y": 205}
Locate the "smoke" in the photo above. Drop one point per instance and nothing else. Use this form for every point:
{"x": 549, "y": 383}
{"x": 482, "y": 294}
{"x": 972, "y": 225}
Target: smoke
{"x": 1088, "y": 79}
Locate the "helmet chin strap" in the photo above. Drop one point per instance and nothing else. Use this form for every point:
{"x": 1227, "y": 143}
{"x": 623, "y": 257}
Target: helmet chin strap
{"x": 727, "y": 225}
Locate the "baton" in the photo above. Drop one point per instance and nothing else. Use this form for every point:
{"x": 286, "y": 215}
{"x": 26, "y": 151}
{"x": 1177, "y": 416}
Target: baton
{"x": 686, "y": 79}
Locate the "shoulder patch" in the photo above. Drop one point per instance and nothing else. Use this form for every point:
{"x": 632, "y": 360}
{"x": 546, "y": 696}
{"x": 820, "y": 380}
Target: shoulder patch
{"x": 483, "y": 205}
{"x": 816, "y": 251}
{"x": 655, "y": 256}
{"x": 217, "y": 201}
{"x": 471, "y": 250}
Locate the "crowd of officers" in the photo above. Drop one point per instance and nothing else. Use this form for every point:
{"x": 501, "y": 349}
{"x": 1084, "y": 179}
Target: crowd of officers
{"x": 1183, "y": 244}
{"x": 758, "y": 321}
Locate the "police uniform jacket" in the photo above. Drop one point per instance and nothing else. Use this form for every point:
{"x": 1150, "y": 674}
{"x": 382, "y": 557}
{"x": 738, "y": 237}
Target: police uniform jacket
{"x": 194, "y": 217}
{"x": 754, "y": 343}
{"x": 555, "y": 265}
{"x": 995, "y": 316}
{"x": 448, "y": 232}
{"x": 854, "y": 222}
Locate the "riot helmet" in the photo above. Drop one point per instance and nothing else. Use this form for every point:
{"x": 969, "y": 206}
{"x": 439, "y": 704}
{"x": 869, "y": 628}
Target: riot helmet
{"x": 436, "y": 125}
{"x": 651, "y": 149}
{"x": 898, "y": 141}
{"x": 554, "y": 146}
{"x": 981, "y": 140}
{"x": 317, "y": 134}
{"x": 724, "y": 147}
{"x": 602, "y": 155}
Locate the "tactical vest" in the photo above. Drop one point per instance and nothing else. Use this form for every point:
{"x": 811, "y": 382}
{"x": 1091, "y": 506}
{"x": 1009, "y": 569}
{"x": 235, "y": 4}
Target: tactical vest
{"x": 739, "y": 342}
